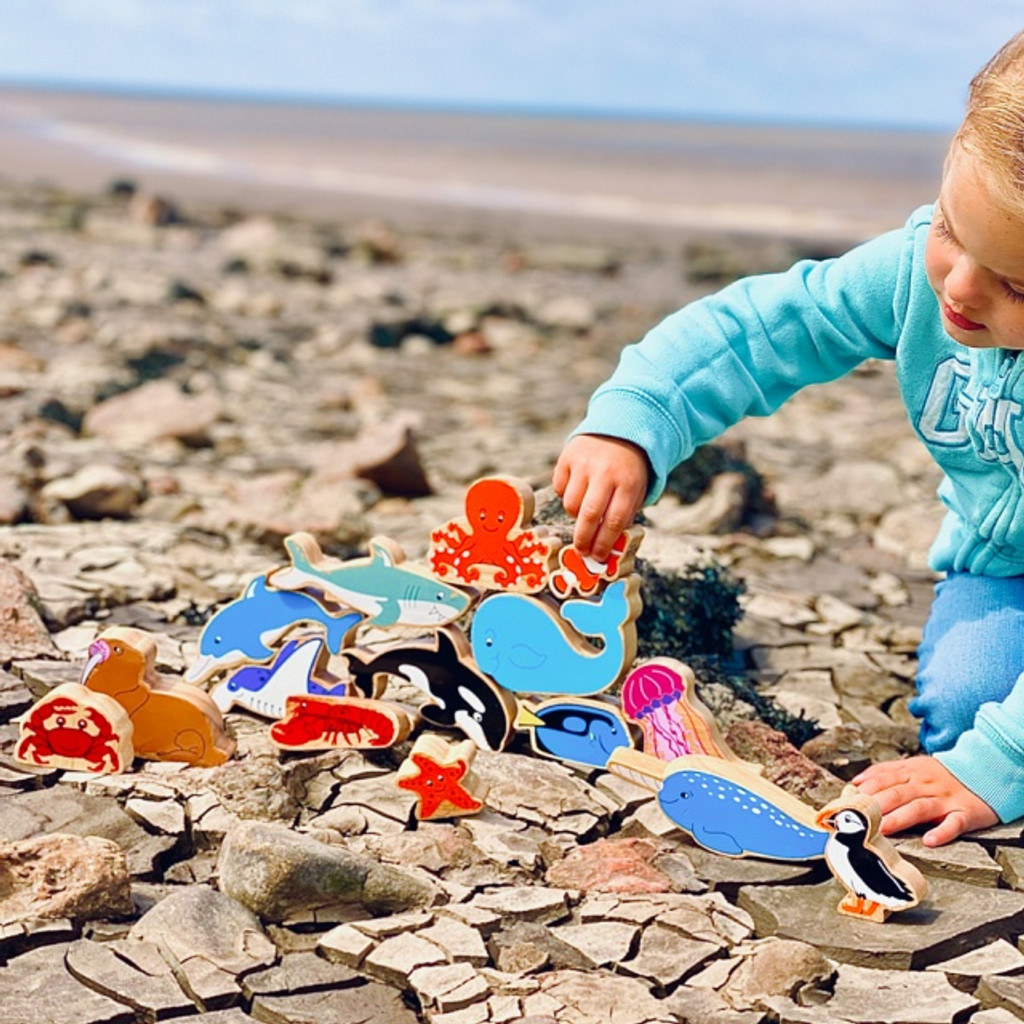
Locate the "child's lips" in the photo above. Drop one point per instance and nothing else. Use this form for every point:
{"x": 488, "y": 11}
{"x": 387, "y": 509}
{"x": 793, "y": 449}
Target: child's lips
{"x": 959, "y": 320}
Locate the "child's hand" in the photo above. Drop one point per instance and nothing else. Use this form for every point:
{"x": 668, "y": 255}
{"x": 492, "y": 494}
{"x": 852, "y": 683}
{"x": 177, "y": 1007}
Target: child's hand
{"x": 920, "y": 789}
{"x": 602, "y": 482}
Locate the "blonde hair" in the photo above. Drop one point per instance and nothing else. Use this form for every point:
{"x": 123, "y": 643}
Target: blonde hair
{"x": 993, "y": 127}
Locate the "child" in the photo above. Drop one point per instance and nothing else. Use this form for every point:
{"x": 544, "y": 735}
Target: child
{"x": 944, "y": 298}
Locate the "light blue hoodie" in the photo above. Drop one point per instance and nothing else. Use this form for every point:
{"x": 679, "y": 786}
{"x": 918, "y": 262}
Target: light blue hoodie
{"x": 746, "y": 349}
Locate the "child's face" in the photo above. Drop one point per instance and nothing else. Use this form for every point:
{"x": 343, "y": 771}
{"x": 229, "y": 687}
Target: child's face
{"x": 975, "y": 259}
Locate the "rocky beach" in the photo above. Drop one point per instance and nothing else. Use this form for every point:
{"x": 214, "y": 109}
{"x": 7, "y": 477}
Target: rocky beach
{"x": 186, "y": 382}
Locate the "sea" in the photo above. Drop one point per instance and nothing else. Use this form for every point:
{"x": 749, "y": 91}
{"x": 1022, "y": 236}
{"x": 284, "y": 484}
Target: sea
{"x": 626, "y": 173}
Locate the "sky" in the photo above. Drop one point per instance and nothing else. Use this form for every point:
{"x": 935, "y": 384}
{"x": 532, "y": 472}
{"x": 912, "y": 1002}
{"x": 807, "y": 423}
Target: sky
{"x": 884, "y": 63}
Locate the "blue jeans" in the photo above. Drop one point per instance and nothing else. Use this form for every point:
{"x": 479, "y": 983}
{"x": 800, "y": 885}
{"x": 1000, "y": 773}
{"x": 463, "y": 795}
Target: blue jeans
{"x": 972, "y": 651}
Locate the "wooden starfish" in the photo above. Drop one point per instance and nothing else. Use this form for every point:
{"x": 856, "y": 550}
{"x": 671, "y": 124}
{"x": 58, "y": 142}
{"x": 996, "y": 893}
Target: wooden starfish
{"x": 439, "y": 774}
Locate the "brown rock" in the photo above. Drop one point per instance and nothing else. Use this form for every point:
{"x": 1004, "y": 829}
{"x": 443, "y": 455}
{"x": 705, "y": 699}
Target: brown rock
{"x": 611, "y": 865}
{"x": 388, "y": 457}
{"x": 63, "y": 876}
{"x": 23, "y": 634}
{"x": 783, "y": 763}
{"x": 156, "y": 410}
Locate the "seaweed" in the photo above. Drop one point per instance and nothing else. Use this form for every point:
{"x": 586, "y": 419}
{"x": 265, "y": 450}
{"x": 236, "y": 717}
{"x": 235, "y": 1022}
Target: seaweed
{"x": 690, "y": 616}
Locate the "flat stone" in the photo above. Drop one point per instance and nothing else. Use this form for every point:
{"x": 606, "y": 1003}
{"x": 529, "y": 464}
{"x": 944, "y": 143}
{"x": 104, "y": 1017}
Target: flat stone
{"x": 23, "y": 633}
{"x": 955, "y": 917}
{"x": 525, "y": 903}
{"x": 15, "y": 696}
{"x": 36, "y": 986}
{"x": 165, "y": 816}
{"x": 479, "y": 919}
{"x": 601, "y": 943}
{"x": 297, "y": 973}
{"x": 459, "y": 941}
{"x": 378, "y": 928}
{"x": 346, "y": 945}
{"x": 866, "y": 996}
{"x": 997, "y": 1015}
{"x": 1007, "y": 993}
{"x": 211, "y": 937}
{"x": 153, "y": 992}
{"x": 449, "y": 987}
{"x": 397, "y": 957}
{"x": 1011, "y": 860}
{"x": 369, "y": 1003}
{"x": 960, "y": 862}
{"x": 705, "y": 1006}
{"x": 584, "y": 997}
{"x": 611, "y": 865}
{"x": 729, "y": 874}
{"x": 666, "y": 957}
{"x": 966, "y": 970}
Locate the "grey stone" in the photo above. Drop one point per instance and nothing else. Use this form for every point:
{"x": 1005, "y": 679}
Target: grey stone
{"x": 460, "y": 942}
{"x": 278, "y": 873}
{"x": 209, "y": 939}
{"x": 370, "y": 1003}
{"x": 580, "y": 997}
{"x": 666, "y": 957}
{"x": 880, "y": 997}
{"x": 1011, "y": 861}
{"x": 602, "y": 943}
{"x": 955, "y": 917}
{"x": 346, "y": 945}
{"x": 1005, "y": 993}
{"x": 966, "y": 970}
{"x": 15, "y": 696}
{"x": 525, "y": 903}
{"x": 960, "y": 862}
{"x": 36, "y": 986}
{"x": 297, "y": 973}
{"x": 399, "y": 955}
{"x": 449, "y": 987}
{"x": 153, "y": 992}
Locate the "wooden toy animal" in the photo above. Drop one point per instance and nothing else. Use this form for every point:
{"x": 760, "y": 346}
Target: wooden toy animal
{"x": 329, "y": 723}
{"x": 583, "y": 575}
{"x": 528, "y": 646}
{"x": 381, "y": 587}
{"x": 171, "y": 720}
{"x": 878, "y": 881}
{"x": 76, "y": 729}
{"x": 440, "y": 776}
{"x": 493, "y": 547}
{"x": 660, "y": 696}
{"x": 726, "y": 806}
{"x": 299, "y": 668}
{"x": 459, "y": 695}
{"x": 247, "y": 631}
{"x": 576, "y": 730}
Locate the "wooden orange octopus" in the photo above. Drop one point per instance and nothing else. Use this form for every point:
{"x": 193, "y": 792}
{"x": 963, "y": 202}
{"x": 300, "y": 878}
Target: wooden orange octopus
{"x": 492, "y": 546}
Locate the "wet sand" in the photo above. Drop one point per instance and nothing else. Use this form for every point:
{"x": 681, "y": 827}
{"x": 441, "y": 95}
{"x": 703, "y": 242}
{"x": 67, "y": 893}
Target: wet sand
{"x": 552, "y": 174}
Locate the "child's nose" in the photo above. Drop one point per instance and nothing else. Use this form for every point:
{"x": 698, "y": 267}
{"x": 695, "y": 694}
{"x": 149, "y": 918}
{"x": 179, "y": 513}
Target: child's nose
{"x": 965, "y": 283}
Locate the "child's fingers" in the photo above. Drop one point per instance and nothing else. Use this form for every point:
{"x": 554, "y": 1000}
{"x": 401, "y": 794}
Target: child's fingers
{"x": 953, "y": 825}
{"x": 617, "y": 517}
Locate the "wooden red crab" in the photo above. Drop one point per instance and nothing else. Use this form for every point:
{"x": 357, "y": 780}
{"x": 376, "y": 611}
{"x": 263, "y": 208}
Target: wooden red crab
{"x": 74, "y": 728}
{"x": 492, "y": 545}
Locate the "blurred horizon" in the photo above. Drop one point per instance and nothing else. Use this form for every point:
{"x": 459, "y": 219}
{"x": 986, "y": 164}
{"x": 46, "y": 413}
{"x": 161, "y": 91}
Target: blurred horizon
{"x": 877, "y": 64}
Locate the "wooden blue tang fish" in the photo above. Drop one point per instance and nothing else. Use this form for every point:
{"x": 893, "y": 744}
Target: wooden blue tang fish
{"x": 529, "y": 646}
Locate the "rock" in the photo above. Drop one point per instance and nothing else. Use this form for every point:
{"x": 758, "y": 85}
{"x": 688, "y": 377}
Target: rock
{"x": 38, "y": 987}
{"x": 582, "y": 997}
{"x": 1012, "y": 863}
{"x": 278, "y": 874}
{"x": 387, "y": 456}
{"x": 151, "y": 412}
{"x": 15, "y": 696}
{"x": 566, "y": 313}
{"x": 65, "y": 810}
{"x": 601, "y": 944}
{"x": 525, "y": 903}
{"x": 22, "y": 631}
{"x": 152, "y": 210}
{"x": 63, "y": 876}
{"x": 97, "y": 492}
{"x": 870, "y": 996}
{"x": 132, "y": 973}
{"x": 666, "y": 957}
{"x": 610, "y": 865}
{"x": 398, "y": 956}
{"x": 960, "y": 862}
{"x": 209, "y": 939}
{"x": 995, "y": 958}
{"x": 848, "y": 749}
{"x": 1005, "y": 993}
{"x": 957, "y": 916}
{"x": 773, "y": 967}
{"x": 783, "y": 763}
{"x": 449, "y": 987}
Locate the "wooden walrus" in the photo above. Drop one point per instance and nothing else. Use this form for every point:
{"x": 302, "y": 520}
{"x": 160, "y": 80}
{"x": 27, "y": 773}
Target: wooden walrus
{"x": 171, "y": 720}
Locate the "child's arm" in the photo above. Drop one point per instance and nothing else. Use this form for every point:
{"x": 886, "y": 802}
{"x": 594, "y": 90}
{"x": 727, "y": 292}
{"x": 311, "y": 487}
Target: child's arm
{"x": 602, "y": 482}
{"x": 920, "y": 789}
